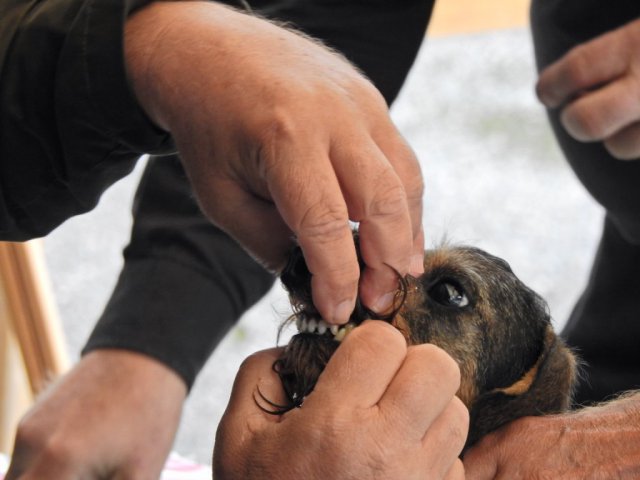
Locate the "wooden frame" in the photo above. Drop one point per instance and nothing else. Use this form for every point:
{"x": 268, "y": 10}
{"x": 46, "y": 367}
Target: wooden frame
{"x": 31, "y": 312}
{"x": 32, "y": 350}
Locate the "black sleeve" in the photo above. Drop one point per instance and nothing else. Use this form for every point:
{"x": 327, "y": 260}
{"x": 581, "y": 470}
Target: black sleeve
{"x": 184, "y": 282}
{"x": 69, "y": 123}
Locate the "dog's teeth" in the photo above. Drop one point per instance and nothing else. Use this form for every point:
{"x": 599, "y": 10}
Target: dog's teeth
{"x": 344, "y": 331}
{"x": 311, "y": 326}
{"x": 322, "y": 327}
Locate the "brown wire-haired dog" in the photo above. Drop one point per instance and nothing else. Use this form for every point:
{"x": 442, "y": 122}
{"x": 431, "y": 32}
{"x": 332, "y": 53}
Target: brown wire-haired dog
{"x": 468, "y": 303}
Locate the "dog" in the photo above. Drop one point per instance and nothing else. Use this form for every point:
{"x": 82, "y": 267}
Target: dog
{"x": 470, "y": 304}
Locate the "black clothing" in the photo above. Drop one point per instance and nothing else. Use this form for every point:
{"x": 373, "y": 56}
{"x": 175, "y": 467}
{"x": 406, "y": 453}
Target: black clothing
{"x": 69, "y": 124}
{"x": 605, "y": 324}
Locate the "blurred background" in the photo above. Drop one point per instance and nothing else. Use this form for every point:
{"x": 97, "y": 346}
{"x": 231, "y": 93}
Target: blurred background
{"x": 494, "y": 178}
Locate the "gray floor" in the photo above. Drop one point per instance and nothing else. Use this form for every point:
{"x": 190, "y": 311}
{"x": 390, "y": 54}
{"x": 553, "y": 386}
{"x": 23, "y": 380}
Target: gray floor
{"x": 494, "y": 176}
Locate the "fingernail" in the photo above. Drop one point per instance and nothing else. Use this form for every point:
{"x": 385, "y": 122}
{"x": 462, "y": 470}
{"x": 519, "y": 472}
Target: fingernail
{"x": 343, "y": 312}
{"x": 417, "y": 265}
{"x": 384, "y": 303}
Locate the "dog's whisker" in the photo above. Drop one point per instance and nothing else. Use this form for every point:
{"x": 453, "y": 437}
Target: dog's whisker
{"x": 277, "y": 408}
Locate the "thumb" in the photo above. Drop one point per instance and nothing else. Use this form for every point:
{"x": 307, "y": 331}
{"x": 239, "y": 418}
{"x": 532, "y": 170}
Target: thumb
{"x": 255, "y": 382}
{"x": 243, "y": 418}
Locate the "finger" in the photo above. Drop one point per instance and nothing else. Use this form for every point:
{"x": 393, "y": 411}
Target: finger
{"x": 625, "y": 144}
{"x": 255, "y": 375}
{"x": 376, "y": 198}
{"x": 603, "y": 112}
{"x": 362, "y": 367}
{"x": 253, "y": 222}
{"x": 480, "y": 462}
{"x": 456, "y": 472}
{"x": 584, "y": 67}
{"x": 406, "y": 165}
{"x": 449, "y": 429}
{"x": 421, "y": 389}
{"x": 305, "y": 189}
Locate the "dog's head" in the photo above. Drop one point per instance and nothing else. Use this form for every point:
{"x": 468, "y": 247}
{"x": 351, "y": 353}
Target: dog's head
{"x": 470, "y": 304}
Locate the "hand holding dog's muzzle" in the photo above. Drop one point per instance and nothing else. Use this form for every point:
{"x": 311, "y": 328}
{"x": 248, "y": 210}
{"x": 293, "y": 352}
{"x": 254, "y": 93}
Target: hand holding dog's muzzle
{"x": 379, "y": 410}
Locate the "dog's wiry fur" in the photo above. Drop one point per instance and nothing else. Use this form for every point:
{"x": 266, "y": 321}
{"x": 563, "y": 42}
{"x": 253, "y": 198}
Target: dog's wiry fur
{"x": 511, "y": 362}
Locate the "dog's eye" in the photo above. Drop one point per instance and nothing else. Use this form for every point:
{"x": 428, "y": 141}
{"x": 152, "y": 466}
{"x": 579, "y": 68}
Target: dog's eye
{"x": 449, "y": 293}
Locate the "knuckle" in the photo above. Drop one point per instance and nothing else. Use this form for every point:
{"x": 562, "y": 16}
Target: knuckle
{"x": 283, "y": 125}
{"x": 57, "y": 451}
{"x": 323, "y": 222}
{"x": 375, "y": 96}
{"x": 577, "y": 65}
{"x": 388, "y": 200}
{"x": 29, "y": 435}
{"x": 365, "y": 90}
{"x": 440, "y": 362}
{"x": 278, "y": 127}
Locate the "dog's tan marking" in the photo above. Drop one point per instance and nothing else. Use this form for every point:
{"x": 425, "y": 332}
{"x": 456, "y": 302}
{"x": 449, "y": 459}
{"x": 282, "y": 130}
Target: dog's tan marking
{"x": 523, "y": 385}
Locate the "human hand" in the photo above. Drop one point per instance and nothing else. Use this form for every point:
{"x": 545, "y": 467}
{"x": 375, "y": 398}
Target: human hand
{"x": 114, "y": 415}
{"x": 597, "y": 84}
{"x": 380, "y": 410}
{"x": 283, "y": 138}
{"x": 594, "y": 443}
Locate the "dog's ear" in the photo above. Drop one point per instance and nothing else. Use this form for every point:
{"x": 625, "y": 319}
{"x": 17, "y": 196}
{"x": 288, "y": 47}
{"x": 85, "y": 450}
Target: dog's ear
{"x": 546, "y": 388}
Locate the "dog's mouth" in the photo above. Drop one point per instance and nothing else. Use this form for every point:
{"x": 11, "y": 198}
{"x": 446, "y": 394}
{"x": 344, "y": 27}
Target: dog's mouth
{"x": 320, "y": 327}
{"x": 316, "y": 326}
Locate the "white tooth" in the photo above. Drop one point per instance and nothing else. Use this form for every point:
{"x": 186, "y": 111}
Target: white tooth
{"x": 322, "y": 327}
{"x": 303, "y": 325}
{"x": 334, "y": 329}
{"x": 340, "y": 335}
{"x": 311, "y": 325}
